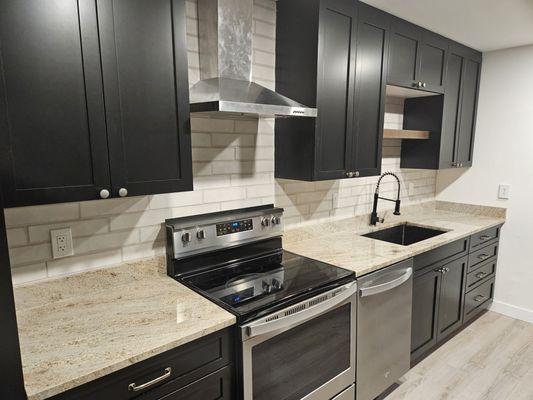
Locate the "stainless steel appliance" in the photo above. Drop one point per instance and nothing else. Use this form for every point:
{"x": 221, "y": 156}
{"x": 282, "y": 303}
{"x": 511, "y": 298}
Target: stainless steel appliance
{"x": 226, "y": 87}
{"x": 383, "y": 328}
{"x": 296, "y": 316}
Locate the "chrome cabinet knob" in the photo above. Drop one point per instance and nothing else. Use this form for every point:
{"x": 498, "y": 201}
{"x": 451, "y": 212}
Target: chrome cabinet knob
{"x": 104, "y": 193}
{"x": 123, "y": 192}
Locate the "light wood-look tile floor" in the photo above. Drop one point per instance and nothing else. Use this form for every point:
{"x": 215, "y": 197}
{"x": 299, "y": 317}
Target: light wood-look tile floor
{"x": 492, "y": 359}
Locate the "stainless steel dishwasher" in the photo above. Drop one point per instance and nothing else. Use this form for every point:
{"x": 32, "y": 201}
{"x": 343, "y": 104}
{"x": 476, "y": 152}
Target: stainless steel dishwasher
{"x": 383, "y": 328}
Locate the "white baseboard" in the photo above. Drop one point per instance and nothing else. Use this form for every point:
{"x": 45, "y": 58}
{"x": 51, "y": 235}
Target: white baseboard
{"x": 512, "y": 311}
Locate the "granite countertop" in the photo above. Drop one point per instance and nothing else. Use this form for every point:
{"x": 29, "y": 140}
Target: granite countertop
{"x": 340, "y": 242}
{"x": 79, "y": 328}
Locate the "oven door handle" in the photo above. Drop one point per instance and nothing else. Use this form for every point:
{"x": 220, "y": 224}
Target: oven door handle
{"x": 299, "y": 317}
{"x": 384, "y": 287}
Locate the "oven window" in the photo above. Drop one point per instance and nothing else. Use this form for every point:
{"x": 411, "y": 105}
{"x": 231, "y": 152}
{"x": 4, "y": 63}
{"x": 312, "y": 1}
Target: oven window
{"x": 296, "y": 362}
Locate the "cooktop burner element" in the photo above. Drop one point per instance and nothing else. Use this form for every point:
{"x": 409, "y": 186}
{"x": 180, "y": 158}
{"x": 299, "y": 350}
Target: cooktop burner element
{"x": 243, "y": 267}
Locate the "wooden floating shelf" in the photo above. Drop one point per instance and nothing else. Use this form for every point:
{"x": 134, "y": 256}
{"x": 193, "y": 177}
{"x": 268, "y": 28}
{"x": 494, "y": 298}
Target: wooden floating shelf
{"x": 404, "y": 134}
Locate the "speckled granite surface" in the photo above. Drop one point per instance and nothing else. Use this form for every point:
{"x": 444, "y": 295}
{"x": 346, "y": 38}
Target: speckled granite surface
{"x": 340, "y": 242}
{"x": 79, "y": 328}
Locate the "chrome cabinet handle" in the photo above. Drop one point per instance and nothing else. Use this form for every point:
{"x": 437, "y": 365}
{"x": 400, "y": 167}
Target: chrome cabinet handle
{"x": 104, "y": 193}
{"x": 132, "y": 387}
{"x": 479, "y": 298}
{"x": 259, "y": 328}
{"x": 369, "y": 291}
{"x": 484, "y": 238}
{"x": 481, "y": 274}
{"x": 483, "y": 256}
{"x": 123, "y": 192}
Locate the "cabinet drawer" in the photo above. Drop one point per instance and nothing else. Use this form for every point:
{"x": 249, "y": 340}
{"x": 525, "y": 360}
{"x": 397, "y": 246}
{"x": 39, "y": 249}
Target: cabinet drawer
{"x": 478, "y": 299}
{"x": 217, "y": 386}
{"x": 176, "y": 368}
{"x": 481, "y": 255}
{"x": 480, "y": 238}
{"x": 482, "y": 271}
{"x": 441, "y": 254}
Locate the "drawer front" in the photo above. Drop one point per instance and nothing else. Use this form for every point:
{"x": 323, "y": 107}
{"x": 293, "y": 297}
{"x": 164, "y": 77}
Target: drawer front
{"x": 442, "y": 254}
{"x": 217, "y": 386}
{"x": 482, "y": 272}
{"x": 482, "y": 255}
{"x": 479, "y": 239}
{"x": 478, "y": 299}
{"x": 163, "y": 373}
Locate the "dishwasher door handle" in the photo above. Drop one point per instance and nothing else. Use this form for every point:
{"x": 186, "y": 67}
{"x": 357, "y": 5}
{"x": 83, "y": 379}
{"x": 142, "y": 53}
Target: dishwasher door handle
{"x": 384, "y": 287}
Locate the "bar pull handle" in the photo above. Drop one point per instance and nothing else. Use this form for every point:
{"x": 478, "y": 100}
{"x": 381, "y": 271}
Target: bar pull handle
{"x": 481, "y": 275}
{"x": 132, "y": 387}
{"x": 483, "y": 256}
{"x": 479, "y": 298}
{"x": 484, "y": 238}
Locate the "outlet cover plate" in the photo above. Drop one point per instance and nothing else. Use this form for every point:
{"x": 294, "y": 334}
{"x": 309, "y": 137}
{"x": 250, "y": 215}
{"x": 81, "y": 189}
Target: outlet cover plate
{"x": 504, "y": 191}
{"x": 61, "y": 243}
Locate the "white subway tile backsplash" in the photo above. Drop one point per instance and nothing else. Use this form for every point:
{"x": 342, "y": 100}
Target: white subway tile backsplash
{"x": 71, "y": 265}
{"x": 41, "y": 214}
{"x": 89, "y": 227}
{"x": 17, "y": 237}
{"x": 233, "y": 167}
{"x": 29, "y": 273}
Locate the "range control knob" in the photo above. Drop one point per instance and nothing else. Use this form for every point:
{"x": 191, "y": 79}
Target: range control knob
{"x": 186, "y": 237}
{"x": 276, "y": 220}
{"x": 201, "y": 234}
{"x": 276, "y": 284}
{"x": 265, "y": 222}
{"x": 266, "y": 287}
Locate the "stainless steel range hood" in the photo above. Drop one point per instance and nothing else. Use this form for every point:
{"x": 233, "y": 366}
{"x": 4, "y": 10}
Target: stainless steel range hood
{"x": 225, "y": 31}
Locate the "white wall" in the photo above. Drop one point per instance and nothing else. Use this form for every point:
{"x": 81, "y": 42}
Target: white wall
{"x": 504, "y": 154}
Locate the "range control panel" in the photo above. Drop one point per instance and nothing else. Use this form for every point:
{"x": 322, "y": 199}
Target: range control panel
{"x": 228, "y": 228}
{"x": 194, "y": 235}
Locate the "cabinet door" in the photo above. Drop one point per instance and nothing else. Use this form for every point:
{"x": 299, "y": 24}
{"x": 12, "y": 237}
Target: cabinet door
{"x": 467, "y": 119}
{"x": 433, "y": 62}
{"x": 426, "y": 290}
{"x": 336, "y": 87}
{"x": 405, "y": 46}
{"x": 451, "y": 110}
{"x": 144, "y": 58}
{"x": 53, "y": 143}
{"x": 451, "y": 298}
{"x": 371, "y": 75}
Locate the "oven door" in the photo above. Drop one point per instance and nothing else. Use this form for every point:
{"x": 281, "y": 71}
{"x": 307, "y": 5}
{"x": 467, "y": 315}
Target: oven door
{"x": 306, "y": 351}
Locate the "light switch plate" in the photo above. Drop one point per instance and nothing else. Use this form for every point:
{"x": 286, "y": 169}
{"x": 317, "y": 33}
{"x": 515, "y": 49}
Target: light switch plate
{"x": 504, "y": 191}
{"x": 62, "y": 243}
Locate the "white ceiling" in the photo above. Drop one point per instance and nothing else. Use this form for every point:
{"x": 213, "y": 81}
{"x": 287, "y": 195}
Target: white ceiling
{"x": 482, "y": 24}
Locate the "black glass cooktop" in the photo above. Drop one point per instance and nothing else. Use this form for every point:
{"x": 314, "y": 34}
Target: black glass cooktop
{"x": 252, "y": 288}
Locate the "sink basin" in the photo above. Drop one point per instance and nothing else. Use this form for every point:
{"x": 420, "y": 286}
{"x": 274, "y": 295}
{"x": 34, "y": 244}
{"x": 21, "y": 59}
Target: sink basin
{"x": 404, "y": 234}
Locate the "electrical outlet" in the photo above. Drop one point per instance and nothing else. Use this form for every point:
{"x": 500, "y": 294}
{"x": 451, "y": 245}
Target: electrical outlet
{"x": 504, "y": 191}
{"x": 62, "y": 242}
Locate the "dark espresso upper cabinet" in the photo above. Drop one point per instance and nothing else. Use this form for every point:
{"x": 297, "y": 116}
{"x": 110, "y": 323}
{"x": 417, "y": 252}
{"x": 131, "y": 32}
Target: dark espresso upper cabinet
{"x": 146, "y": 88}
{"x": 450, "y": 118}
{"x": 91, "y": 102}
{"x": 417, "y": 57}
{"x": 331, "y": 54}
{"x": 53, "y": 143}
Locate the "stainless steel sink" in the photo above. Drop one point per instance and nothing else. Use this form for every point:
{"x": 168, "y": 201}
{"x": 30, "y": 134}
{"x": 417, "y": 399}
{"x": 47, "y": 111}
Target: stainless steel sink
{"x": 404, "y": 235}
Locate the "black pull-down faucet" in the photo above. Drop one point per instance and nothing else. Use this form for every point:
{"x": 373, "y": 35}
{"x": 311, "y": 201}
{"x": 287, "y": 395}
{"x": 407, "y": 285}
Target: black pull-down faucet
{"x": 374, "y": 219}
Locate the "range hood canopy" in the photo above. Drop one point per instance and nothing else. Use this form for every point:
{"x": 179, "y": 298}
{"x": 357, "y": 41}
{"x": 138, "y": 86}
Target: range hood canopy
{"x": 225, "y": 32}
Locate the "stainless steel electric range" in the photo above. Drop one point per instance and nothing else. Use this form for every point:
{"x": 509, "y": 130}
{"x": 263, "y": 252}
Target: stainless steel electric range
{"x": 296, "y": 316}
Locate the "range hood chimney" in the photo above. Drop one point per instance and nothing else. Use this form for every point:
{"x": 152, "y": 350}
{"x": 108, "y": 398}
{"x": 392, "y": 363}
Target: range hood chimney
{"x": 225, "y": 31}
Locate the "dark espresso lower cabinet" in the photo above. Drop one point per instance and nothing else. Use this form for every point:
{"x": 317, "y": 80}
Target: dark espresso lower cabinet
{"x": 448, "y": 294}
{"x": 200, "y": 370}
